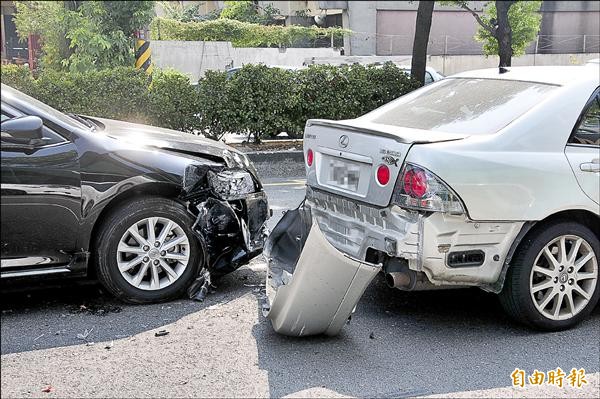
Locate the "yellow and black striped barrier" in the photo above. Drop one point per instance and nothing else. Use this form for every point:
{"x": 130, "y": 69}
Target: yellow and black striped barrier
{"x": 142, "y": 55}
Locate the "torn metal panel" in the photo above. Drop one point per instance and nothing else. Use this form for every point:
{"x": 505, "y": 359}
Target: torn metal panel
{"x": 445, "y": 234}
{"x": 231, "y": 211}
{"x": 224, "y": 227}
{"x": 424, "y": 240}
{"x": 312, "y": 288}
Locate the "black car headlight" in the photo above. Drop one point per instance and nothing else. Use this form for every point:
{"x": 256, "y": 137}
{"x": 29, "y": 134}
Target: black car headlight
{"x": 231, "y": 184}
{"x": 236, "y": 159}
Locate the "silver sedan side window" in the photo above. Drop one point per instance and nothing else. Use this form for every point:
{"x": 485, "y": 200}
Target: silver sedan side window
{"x": 588, "y": 131}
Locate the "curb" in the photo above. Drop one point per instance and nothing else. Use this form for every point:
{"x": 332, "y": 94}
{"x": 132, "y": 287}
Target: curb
{"x": 276, "y": 156}
{"x": 278, "y": 164}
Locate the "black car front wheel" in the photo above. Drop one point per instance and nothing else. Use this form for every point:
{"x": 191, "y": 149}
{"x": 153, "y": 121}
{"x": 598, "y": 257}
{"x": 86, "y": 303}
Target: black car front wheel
{"x": 146, "y": 251}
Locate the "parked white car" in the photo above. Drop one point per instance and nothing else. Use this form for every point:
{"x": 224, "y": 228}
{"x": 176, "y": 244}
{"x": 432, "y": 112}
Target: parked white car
{"x": 431, "y": 75}
{"x": 484, "y": 179}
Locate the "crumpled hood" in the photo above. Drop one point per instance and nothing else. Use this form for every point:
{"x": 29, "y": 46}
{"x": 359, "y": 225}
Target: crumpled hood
{"x": 153, "y": 136}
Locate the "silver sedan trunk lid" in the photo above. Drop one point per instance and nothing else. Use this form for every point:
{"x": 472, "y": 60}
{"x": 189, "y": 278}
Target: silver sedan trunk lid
{"x": 347, "y": 154}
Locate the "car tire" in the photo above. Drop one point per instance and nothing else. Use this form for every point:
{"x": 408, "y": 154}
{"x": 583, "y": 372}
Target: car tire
{"x": 533, "y": 296}
{"x": 117, "y": 249}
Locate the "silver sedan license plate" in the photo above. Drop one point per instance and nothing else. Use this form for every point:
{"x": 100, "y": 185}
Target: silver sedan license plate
{"x": 343, "y": 174}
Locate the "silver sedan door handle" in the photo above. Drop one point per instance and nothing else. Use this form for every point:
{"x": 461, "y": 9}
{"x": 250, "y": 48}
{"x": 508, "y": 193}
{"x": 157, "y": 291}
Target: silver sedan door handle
{"x": 593, "y": 166}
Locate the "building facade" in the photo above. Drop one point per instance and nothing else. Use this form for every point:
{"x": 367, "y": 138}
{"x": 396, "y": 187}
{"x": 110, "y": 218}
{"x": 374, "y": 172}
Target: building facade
{"x": 387, "y": 27}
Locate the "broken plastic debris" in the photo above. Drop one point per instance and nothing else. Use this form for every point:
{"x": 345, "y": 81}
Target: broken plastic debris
{"x": 109, "y": 345}
{"x": 85, "y": 334}
{"x": 48, "y": 389}
{"x": 199, "y": 287}
{"x": 161, "y": 333}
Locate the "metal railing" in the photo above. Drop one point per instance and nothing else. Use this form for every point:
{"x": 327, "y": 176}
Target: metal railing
{"x": 452, "y": 45}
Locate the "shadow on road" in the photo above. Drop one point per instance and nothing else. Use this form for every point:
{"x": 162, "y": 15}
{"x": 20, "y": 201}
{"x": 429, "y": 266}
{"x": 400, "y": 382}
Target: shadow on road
{"x": 52, "y": 314}
{"x": 398, "y": 343}
{"x": 407, "y": 344}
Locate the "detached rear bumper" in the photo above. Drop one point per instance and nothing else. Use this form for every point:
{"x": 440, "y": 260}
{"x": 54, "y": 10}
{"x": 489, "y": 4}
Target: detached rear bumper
{"x": 312, "y": 288}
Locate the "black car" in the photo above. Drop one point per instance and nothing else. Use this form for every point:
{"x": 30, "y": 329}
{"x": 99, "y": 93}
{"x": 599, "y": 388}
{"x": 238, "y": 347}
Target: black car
{"x": 147, "y": 210}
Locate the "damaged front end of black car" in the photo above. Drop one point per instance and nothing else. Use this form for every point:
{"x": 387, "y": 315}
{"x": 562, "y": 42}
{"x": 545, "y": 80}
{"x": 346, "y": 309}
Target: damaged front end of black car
{"x": 148, "y": 211}
{"x": 231, "y": 211}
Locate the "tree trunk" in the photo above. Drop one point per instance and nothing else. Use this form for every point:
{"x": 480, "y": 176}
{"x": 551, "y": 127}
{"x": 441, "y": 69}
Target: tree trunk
{"x": 422, "y": 28}
{"x": 504, "y": 33}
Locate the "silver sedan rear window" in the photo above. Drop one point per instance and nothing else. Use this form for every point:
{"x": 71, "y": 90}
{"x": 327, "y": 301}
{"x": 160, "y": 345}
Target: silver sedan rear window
{"x": 458, "y": 105}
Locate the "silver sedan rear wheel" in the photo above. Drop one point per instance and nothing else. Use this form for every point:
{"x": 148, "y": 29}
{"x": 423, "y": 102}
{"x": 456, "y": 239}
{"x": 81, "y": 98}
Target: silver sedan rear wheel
{"x": 153, "y": 253}
{"x": 564, "y": 277}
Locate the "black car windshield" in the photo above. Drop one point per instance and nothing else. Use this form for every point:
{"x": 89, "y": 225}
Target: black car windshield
{"x": 462, "y": 105}
{"x": 31, "y": 106}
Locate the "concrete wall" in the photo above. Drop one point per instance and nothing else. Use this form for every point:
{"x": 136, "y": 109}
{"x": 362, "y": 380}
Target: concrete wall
{"x": 451, "y": 64}
{"x": 195, "y": 58}
{"x": 452, "y": 32}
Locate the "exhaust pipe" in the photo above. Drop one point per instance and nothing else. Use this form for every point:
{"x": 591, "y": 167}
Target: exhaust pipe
{"x": 398, "y": 280}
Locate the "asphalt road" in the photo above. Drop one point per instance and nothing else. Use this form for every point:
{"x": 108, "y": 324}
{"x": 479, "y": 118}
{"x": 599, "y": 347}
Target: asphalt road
{"x": 74, "y": 338}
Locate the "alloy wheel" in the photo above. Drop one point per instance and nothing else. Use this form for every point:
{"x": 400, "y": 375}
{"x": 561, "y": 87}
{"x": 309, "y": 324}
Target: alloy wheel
{"x": 563, "y": 277}
{"x": 153, "y": 253}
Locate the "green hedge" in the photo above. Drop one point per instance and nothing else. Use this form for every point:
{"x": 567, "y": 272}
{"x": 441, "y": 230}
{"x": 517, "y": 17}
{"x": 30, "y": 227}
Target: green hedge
{"x": 266, "y": 101}
{"x": 256, "y": 100}
{"x": 240, "y": 34}
{"x": 119, "y": 93}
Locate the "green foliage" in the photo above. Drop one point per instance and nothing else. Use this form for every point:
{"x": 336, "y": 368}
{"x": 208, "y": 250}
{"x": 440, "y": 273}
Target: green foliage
{"x": 172, "y": 101}
{"x": 346, "y": 92}
{"x": 266, "y": 101}
{"x": 256, "y": 100}
{"x": 118, "y": 93}
{"x": 187, "y": 13}
{"x": 304, "y": 13}
{"x": 43, "y": 18}
{"x": 248, "y": 11}
{"x": 18, "y": 76}
{"x": 217, "y": 114}
{"x": 92, "y": 35}
{"x": 524, "y": 19}
{"x": 127, "y": 16}
{"x": 266, "y": 98}
{"x": 241, "y": 34}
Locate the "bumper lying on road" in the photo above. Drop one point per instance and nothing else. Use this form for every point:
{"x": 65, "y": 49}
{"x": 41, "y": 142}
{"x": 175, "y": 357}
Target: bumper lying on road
{"x": 312, "y": 288}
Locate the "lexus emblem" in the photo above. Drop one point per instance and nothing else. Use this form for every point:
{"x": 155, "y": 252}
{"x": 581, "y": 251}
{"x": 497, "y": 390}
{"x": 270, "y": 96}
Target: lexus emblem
{"x": 344, "y": 141}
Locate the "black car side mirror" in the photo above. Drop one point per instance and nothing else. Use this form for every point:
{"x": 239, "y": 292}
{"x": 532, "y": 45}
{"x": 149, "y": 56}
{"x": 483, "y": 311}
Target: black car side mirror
{"x": 22, "y": 130}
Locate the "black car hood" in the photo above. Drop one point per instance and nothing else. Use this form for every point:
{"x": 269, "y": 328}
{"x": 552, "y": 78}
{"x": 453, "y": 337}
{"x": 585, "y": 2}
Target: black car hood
{"x": 153, "y": 136}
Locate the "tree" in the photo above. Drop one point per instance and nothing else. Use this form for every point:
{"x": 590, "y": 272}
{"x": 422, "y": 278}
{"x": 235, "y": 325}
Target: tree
{"x": 43, "y": 18}
{"x": 248, "y": 11}
{"x": 83, "y": 35}
{"x": 419, "y": 51}
{"x": 506, "y": 27}
{"x": 187, "y": 13}
{"x": 524, "y": 21}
